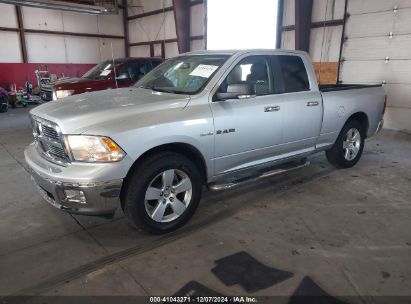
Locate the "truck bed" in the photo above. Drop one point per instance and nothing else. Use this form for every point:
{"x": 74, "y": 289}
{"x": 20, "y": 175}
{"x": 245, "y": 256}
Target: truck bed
{"x": 343, "y": 87}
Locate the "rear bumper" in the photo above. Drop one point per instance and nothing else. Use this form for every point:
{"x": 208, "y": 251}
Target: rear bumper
{"x": 98, "y": 197}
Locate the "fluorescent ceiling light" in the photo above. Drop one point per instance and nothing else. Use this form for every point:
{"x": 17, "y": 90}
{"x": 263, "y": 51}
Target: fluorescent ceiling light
{"x": 59, "y": 5}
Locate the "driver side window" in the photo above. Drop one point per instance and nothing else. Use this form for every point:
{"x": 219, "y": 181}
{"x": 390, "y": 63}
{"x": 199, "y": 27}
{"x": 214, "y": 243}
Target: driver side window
{"x": 133, "y": 71}
{"x": 253, "y": 73}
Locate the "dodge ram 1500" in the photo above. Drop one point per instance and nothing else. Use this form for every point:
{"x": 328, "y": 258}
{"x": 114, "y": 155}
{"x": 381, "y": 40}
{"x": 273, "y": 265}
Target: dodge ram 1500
{"x": 215, "y": 118}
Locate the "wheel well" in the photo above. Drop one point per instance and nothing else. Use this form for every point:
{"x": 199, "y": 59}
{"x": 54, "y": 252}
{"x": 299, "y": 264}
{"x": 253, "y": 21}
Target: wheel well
{"x": 362, "y": 118}
{"x": 181, "y": 148}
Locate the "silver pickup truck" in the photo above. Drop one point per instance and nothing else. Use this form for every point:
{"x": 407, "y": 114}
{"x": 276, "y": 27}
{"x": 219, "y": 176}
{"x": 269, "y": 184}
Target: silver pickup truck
{"x": 214, "y": 118}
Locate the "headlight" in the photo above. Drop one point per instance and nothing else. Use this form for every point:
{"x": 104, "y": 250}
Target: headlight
{"x": 63, "y": 93}
{"x": 94, "y": 149}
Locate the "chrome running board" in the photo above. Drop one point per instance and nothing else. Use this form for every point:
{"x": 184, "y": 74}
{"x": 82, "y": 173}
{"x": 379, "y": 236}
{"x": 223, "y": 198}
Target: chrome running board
{"x": 283, "y": 169}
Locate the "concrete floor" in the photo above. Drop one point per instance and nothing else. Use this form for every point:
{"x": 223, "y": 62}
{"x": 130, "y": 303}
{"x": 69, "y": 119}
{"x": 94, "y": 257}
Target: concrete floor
{"x": 348, "y": 230}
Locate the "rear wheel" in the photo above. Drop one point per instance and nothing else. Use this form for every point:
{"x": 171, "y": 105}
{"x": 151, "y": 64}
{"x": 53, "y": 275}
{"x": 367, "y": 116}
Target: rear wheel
{"x": 347, "y": 150}
{"x": 162, "y": 193}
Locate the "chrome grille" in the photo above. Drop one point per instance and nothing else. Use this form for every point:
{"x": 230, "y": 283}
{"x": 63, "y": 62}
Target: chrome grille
{"x": 50, "y": 142}
{"x": 50, "y": 132}
{"x": 55, "y": 151}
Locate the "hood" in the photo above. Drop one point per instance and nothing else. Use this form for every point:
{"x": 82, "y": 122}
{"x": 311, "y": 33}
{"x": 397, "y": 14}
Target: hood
{"x": 79, "y": 113}
{"x": 72, "y": 83}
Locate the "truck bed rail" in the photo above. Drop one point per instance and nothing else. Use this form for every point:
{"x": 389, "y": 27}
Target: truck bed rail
{"x": 343, "y": 87}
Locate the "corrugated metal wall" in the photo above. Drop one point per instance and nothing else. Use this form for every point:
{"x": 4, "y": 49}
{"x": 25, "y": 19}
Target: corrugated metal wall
{"x": 161, "y": 27}
{"x": 10, "y": 50}
{"x": 152, "y": 28}
{"x": 324, "y": 41}
{"x": 46, "y": 48}
{"x": 288, "y": 37}
{"x": 377, "y": 49}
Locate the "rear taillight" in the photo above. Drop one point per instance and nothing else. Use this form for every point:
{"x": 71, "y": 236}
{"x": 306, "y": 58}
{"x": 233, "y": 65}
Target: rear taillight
{"x": 385, "y": 105}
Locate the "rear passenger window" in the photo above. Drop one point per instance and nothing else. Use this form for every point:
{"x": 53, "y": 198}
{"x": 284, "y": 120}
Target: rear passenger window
{"x": 294, "y": 74}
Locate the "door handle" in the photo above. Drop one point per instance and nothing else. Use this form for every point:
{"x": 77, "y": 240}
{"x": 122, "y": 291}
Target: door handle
{"x": 272, "y": 109}
{"x": 312, "y": 103}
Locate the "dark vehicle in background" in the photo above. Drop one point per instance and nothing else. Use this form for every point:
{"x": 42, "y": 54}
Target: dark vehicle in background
{"x": 106, "y": 75}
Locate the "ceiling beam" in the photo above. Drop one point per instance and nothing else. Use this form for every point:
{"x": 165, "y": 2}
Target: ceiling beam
{"x": 317, "y": 24}
{"x": 73, "y": 34}
{"x": 126, "y": 29}
{"x": 9, "y": 29}
{"x": 340, "y": 58}
{"x": 21, "y": 34}
{"x": 153, "y": 42}
{"x": 280, "y": 14}
{"x": 35, "y": 31}
{"x": 182, "y": 19}
{"x": 151, "y": 13}
{"x": 162, "y": 10}
{"x": 172, "y": 40}
{"x": 303, "y": 12}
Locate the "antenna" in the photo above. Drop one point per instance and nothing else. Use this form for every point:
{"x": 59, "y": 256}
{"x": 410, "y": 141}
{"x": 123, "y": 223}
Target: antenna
{"x": 114, "y": 65}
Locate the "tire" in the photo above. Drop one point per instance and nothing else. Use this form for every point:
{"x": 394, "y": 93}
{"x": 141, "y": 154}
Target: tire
{"x": 4, "y": 104}
{"x": 148, "y": 203}
{"x": 337, "y": 155}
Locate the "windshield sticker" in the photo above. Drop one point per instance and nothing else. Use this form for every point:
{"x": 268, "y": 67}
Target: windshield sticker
{"x": 105, "y": 72}
{"x": 204, "y": 70}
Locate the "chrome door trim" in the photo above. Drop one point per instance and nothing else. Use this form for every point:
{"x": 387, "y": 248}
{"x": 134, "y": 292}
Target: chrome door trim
{"x": 312, "y": 103}
{"x": 272, "y": 109}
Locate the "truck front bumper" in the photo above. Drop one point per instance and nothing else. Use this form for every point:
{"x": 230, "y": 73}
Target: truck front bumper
{"x": 67, "y": 188}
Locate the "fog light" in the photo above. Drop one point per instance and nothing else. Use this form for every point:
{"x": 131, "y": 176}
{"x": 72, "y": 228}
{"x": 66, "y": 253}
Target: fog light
{"x": 75, "y": 196}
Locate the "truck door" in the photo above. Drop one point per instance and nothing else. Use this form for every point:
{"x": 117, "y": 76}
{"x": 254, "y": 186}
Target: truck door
{"x": 248, "y": 129}
{"x": 302, "y": 105}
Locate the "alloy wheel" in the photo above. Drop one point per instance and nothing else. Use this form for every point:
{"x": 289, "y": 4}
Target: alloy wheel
{"x": 352, "y": 144}
{"x": 168, "y": 195}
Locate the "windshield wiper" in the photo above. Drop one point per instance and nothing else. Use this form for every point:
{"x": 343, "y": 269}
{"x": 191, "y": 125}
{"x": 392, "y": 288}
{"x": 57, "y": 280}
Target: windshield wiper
{"x": 157, "y": 89}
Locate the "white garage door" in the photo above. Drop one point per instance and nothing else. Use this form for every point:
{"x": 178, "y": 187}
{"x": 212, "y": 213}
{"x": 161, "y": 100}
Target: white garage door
{"x": 377, "y": 49}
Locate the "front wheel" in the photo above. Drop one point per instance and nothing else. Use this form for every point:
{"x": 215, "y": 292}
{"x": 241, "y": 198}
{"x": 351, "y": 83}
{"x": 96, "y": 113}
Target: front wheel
{"x": 347, "y": 150}
{"x": 162, "y": 193}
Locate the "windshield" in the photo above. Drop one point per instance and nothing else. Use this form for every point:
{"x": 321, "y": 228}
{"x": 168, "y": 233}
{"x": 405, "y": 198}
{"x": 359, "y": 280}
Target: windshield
{"x": 183, "y": 75}
{"x": 100, "y": 71}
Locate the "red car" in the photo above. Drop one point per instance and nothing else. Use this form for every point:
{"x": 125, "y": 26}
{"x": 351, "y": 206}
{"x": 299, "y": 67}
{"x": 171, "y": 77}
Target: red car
{"x": 101, "y": 77}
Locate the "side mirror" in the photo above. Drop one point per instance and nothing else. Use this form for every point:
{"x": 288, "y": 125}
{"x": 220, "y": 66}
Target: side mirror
{"x": 237, "y": 91}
